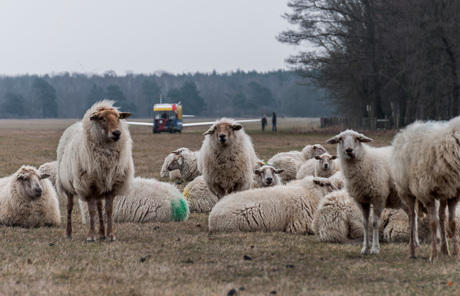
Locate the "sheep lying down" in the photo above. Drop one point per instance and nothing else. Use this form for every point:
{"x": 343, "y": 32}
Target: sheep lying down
{"x": 287, "y": 208}
{"x": 147, "y": 201}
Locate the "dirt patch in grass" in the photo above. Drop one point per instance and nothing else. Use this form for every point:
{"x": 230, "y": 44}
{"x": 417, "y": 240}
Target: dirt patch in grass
{"x": 184, "y": 258}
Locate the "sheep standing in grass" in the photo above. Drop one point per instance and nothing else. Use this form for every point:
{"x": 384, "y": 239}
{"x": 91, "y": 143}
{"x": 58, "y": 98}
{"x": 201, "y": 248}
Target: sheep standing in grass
{"x": 49, "y": 168}
{"x": 148, "y": 200}
{"x": 426, "y": 168}
{"x": 95, "y": 162}
{"x": 186, "y": 162}
{"x": 266, "y": 176}
{"x": 292, "y": 161}
{"x": 368, "y": 180}
{"x": 324, "y": 165}
{"x": 287, "y": 208}
{"x": 227, "y": 158}
{"x": 28, "y": 199}
{"x": 200, "y": 199}
{"x": 165, "y": 173}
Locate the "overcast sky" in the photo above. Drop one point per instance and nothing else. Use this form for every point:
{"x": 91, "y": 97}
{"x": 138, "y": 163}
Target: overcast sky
{"x": 141, "y": 36}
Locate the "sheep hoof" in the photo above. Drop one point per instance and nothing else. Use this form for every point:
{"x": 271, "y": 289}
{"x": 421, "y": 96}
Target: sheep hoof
{"x": 375, "y": 251}
{"x": 365, "y": 251}
{"x": 90, "y": 240}
{"x": 112, "y": 238}
{"x": 102, "y": 237}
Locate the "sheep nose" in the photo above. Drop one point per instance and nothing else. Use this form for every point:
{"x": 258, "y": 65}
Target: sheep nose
{"x": 269, "y": 180}
{"x": 116, "y": 135}
{"x": 222, "y": 138}
{"x": 38, "y": 192}
{"x": 349, "y": 150}
{"x": 326, "y": 165}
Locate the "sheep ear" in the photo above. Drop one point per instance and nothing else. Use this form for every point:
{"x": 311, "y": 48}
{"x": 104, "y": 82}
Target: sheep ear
{"x": 279, "y": 171}
{"x": 20, "y": 177}
{"x": 340, "y": 184}
{"x": 44, "y": 176}
{"x": 180, "y": 160}
{"x": 334, "y": 157}
{"x": 124, "y": 115}
{"x": 94, "y": 116}
{"x": 363, "y": 139}
{"x": 333, "y": 140}
{"x": 209, "y": 131}
{"x": 176, "y": 152}
{"x": 316, "y": 181}
{"x": 261, "y": 163}
{"x": 317, "y": 157}
{"x": 257, "y": 171}
{"x": 237, "y": 127}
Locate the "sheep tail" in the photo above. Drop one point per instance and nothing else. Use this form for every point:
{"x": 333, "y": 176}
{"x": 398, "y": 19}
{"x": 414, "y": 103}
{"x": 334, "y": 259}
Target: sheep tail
{"x": 179, "y": 209}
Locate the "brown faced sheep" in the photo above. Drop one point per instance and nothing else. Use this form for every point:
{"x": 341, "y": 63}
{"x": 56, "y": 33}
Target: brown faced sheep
{"x": 95, "y": 162}
{"x": 227, "y": 158}
{"x": 266, "y": 176}
{"x": 27, "y": 199}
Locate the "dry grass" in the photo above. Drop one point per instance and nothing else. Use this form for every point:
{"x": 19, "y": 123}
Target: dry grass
{"x": 183, "y": 258}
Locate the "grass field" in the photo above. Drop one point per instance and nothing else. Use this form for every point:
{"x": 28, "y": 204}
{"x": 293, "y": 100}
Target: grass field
{"x": 184, "y": 258}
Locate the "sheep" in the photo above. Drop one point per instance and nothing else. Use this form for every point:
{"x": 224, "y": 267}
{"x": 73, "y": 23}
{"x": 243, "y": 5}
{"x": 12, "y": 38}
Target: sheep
{"x": 287, "y": 208}
{"x": 426, "y": 168}
{"x": 50, "y": 168}
{"x": 186, "y": 162}
{"x": 95, "y": 162}
{"x": 148, "y": 200}
{"x": 324, "y": 165}
{"x": 266, "y": 176}
{"x": 28, "y": 199}
{"x": 227, "y": 159}
{"x": 165, "y": 173}
{"x": 368, "y": 180}
{"x": 292, "y": 161}
{"x": 200, "y": 198}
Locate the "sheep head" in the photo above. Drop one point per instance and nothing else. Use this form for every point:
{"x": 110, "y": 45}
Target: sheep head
{"x": 223, "y": 131}
{"x": 267, "y": 174}
{"x": 349, "y": 143}
{"x": 176, "y": 163}
{"x": 30, "y": 182}
{"x": 325, "y": 160}
{"x": 108, "y": 121}
{"x": 318, "y": 150}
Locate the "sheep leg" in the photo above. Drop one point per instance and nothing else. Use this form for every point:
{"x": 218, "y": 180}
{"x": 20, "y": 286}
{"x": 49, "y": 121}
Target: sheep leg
{"x": 375, "y": 230}
{"x": 442, "y": 225}
{"x": 452, "y": 204}
{"x": 101, "y": 220}
{"x": 413, "y": 229}
{"x": 108, "y": 212}
{"x": 92, "y": 207}
{"x": 434, "y": 221}
{"x": 68, "y": 229}
{"x": 365, "y": 210}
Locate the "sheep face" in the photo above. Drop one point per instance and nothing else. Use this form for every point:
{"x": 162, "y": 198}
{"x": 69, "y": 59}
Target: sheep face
{"x": 349, "y": 144}
{"x": 267, "y": 175}
{"x": 330, "y": 185}
{"x": 176, "y": 163}
{"x": 223, "y": 131}
{"x": 325, "y": 161}
{"x": 107, "y": 120}
{"x": 30, "y": 183}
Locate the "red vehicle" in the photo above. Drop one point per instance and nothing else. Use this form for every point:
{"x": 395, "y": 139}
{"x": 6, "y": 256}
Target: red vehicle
{"x": 167, "y": 118}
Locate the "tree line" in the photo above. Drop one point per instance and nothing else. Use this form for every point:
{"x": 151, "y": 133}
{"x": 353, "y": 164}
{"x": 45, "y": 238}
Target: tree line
{"x": 380, "y": 58}
{"x": 236, "y": 94}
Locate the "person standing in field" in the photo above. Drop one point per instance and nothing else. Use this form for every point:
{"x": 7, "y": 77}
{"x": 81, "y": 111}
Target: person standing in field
{"x": 264, "y": 122}
{"x": 274, "y": 129}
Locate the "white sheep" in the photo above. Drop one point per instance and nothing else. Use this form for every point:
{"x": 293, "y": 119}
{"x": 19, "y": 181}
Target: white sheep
{"x": 200, "y": 199}
{"x": 28, "y": 199}
{"x": 49, "y": 168}
{"x": 426, "y": 168}
{"x": 292, "y": 161}
{"x": 368, "y": 180}
{"x": 165, "y": 173}
{"x": 186, "y": 162}
{"x": 227, "y": 158}
{"x": 324, "y": 165}
{"x": 148, "y": 200}
{"x": 95, "y": 162}
{"x": 287, "y": 208}
{"x": 266, "y": 176}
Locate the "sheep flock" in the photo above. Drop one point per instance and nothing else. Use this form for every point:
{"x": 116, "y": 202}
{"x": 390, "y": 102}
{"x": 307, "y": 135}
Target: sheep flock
{"x": 359, "y": 193}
